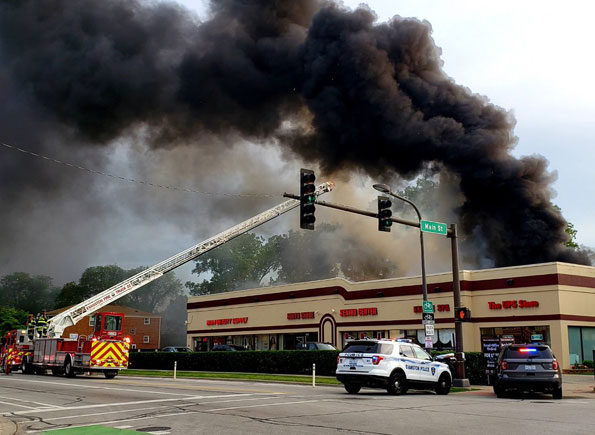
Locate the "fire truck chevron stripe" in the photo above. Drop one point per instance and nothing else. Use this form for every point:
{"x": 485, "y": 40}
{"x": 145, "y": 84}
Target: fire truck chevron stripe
{"x": 109, "y": 354}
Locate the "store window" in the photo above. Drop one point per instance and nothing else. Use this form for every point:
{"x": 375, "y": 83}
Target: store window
{"x": 443, "y": 339}
{"x": 581, "y": 342}
{"x": 520, "y": 334}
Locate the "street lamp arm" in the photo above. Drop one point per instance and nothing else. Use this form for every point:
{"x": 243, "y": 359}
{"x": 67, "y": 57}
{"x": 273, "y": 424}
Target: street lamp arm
{"x": 408, "y": 202}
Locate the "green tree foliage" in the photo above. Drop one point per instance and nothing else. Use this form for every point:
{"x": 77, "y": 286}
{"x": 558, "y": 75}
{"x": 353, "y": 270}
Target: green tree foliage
{"x": 12, "y": 318}
{"x": 31, "y": 294}
{"x": 252, "y": 261}
{"x": 152, "y": 297}
{"x": 245, "y": 260}
{"x": 571, "y": 231}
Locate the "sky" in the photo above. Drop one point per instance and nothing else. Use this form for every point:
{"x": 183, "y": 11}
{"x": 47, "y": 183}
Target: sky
{"x": 527, "y": 57}
{"x": 533, "y": 58}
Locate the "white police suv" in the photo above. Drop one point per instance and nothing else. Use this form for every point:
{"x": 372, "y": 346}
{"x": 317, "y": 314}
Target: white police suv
{"x": 396, "y": 365}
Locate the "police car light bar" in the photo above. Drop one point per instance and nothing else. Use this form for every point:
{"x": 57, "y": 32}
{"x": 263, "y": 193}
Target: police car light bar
{"x": 404, "y": 340}
{"x": 526, "y": 349}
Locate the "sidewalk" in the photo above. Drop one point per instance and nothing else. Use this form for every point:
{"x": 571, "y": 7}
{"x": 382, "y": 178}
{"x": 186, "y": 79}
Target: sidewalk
{"x": 573, "y": 387}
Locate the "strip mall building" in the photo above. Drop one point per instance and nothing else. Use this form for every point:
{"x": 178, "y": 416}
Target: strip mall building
{"x": 551, "y": 302}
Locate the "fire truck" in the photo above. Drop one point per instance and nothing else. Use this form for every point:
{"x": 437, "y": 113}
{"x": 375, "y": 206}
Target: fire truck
{"x": 15, "y": 348}
{"x": 106, "y": 350}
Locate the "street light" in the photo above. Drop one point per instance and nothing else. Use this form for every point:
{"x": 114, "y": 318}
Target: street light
{"x": 385, "y": 189}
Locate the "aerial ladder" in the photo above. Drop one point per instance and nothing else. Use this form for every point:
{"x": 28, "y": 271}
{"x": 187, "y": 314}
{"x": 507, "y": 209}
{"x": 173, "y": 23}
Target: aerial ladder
{"x": 107, "y": 349}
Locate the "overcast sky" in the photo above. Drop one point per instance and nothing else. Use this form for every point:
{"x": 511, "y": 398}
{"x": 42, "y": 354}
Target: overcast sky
{"x": 534, "y": 58}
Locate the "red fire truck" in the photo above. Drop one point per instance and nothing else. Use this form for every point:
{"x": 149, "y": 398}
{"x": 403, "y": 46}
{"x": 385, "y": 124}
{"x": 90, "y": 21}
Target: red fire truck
{"x": 16, "y": 348}
{"x": 106, "y": 350}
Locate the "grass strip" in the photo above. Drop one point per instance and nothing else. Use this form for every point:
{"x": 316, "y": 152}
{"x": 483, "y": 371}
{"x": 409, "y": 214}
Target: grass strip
{"x": 263, "y": 377}
{"x": 320, "y": 380}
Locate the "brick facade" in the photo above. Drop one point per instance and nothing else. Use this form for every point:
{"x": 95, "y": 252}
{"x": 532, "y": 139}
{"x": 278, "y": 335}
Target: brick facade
{"x": 134, "y": 321}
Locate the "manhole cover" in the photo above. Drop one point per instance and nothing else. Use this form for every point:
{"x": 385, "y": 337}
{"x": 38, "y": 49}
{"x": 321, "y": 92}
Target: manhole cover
{"x": 153, "y": 429}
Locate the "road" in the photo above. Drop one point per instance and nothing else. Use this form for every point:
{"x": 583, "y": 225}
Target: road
{"x": 185, "y": 406}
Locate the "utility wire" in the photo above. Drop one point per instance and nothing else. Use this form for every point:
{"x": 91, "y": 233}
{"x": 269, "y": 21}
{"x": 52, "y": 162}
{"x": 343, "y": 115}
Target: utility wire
{"x": 132, "y": 180}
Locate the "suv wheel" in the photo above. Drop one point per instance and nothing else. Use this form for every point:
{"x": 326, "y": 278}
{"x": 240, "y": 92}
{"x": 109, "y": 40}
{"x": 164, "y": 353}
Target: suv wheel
{"x": 443, "y": 386}
{"x": 397, "y": 384}
{"x": 557, "y": 393}
{"x": 353, "y": 388}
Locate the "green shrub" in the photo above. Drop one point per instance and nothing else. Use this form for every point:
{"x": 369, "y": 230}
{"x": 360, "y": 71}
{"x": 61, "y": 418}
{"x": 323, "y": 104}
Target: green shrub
{"x": 278, "y": 362}
{"x": 288, "y": 362}
{"x": 588, "y": 363}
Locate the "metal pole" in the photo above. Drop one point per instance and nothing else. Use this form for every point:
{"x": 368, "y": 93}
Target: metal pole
{"x": 423, "y": 265}
{"x": 424, "y": 284}
{"x": 460, "y": 376}
{"x": 175, "y": 369}
{"x": 313, "y": 375}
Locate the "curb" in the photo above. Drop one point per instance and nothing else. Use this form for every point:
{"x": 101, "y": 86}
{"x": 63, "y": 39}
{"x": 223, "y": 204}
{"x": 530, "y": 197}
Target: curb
{"x": 7, "y": 427}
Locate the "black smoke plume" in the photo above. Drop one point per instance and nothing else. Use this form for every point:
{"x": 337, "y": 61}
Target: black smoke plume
{"x": 328, "y": 84}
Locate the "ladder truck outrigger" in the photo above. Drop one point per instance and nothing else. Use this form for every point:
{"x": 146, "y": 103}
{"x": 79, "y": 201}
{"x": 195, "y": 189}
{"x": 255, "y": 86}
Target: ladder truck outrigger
{"x": 106, "y": 349}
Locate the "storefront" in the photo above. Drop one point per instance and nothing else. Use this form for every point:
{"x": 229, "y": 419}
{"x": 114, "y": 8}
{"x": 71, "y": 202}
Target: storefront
{"x": 552, "y": 303}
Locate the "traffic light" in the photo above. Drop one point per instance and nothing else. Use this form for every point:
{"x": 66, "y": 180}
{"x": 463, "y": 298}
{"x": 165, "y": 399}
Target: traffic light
{"x": 384, "y": 214}
{"x": 307, "y": 198}
{"x": 463, "y": 314}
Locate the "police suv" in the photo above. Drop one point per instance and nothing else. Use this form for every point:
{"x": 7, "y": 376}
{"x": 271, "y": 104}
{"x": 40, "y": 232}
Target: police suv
{"x": 396, "y": 365}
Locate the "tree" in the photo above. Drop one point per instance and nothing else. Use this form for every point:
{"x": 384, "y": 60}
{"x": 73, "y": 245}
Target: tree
{"x": 244, "y": 261}
{"x": 31, "y": 294}
{"x": 571, "y": 231}
{"x": 152, "y": 297}
{"x": 12, "y": 318}
{"x": 155, "y": 296}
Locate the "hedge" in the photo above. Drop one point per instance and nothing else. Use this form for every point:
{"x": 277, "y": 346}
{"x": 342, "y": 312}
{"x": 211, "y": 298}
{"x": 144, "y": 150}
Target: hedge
{"x": 287, "y": 362}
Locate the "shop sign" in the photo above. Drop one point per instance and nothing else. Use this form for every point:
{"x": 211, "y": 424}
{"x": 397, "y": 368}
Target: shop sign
{"x": 302, "y": 315}
{"x": 441, "y": 308}
{"x": 355, "y": 312}
{"x": 232, "y": 321}
{"x": 536, "y": 337}
{"x": 514, "y": 304}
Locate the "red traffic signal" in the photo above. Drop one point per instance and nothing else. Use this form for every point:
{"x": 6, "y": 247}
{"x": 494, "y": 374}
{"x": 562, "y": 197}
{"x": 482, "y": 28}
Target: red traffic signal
{"x": 463, "y": 314}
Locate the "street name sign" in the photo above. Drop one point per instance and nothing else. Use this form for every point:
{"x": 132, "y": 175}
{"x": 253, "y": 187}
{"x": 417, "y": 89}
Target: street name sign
{"x": 434, "y": 227}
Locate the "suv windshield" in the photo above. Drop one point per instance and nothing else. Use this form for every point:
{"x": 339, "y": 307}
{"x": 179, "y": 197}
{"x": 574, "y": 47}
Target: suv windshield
{"x": 528, "y": 352}
{"x": 368, "y": 347}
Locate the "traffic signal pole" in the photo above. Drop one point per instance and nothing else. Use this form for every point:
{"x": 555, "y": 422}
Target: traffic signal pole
{"x": 460, "y": 380}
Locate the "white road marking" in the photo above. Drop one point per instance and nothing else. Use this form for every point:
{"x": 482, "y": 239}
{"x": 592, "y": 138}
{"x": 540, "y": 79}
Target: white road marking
{"x": 137, "y": 402}
{"x": 259, "y": 406}
{"x": 30, "y": 401}
{"x": 126, "y": 426}
{"x": 87, "y": 386}
{"x": 14, "y": 404}
{"x": 170, "y": 415}
{"x": 66, "y": 417}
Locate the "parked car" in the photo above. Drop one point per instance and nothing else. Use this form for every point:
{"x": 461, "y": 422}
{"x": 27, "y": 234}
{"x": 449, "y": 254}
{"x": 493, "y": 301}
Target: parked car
{"x": 315, "y": 346}
{"x": 227, "y": 347}
{"x": 175, "y": 349}
{"x": 528, "y": 367}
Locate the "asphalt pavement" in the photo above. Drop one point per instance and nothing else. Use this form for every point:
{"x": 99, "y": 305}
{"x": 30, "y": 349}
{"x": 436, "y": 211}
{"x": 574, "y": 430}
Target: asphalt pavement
{"x": 34, "y": 404}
